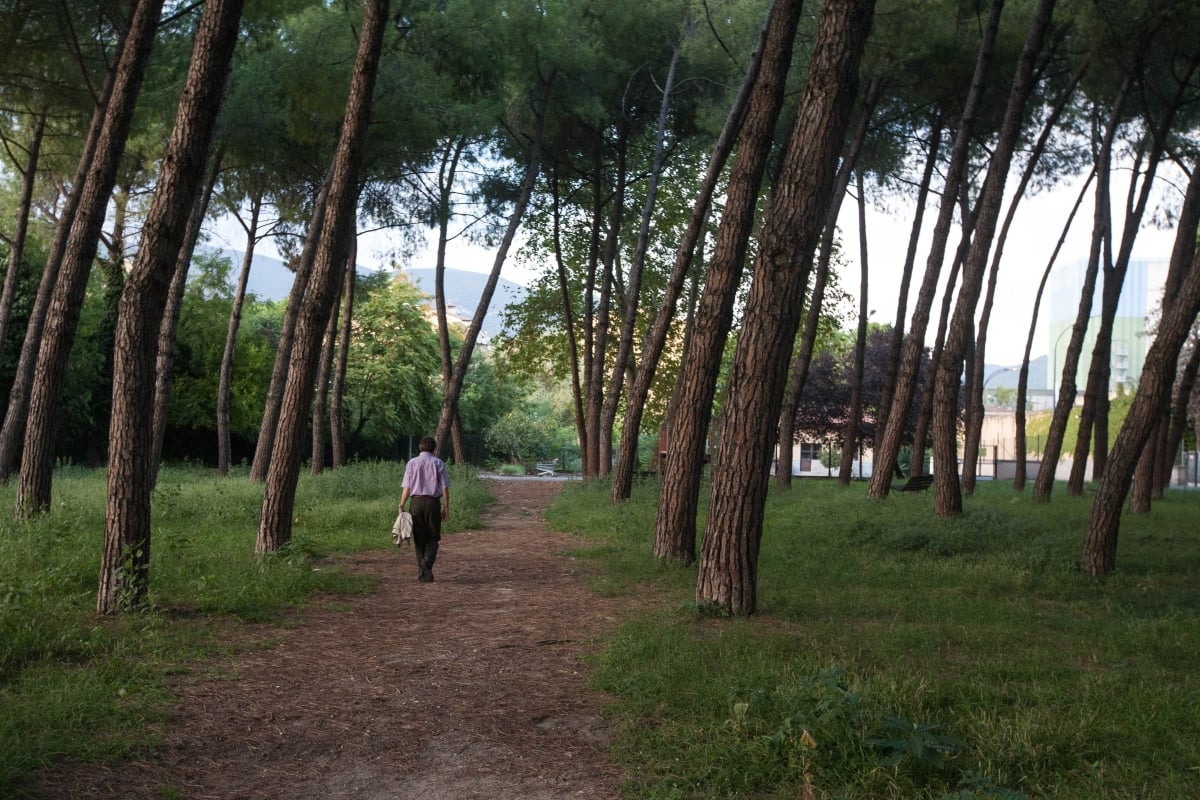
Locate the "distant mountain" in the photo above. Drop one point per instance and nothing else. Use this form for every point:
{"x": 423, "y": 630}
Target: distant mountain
{"x": 270, "y": 279}
{"x": 464, "y": 289}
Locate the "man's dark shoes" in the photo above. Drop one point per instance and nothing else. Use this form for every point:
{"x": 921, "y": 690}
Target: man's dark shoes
{"x": 425, "y": 576}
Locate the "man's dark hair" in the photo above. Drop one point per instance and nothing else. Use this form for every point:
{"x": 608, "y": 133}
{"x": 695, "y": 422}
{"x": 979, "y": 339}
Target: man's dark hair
{"x": 428, "y": 444}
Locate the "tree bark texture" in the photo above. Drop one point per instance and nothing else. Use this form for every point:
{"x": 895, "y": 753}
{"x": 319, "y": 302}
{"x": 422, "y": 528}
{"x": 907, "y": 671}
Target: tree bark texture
{"x": 1100, "y": 545}
{"x": 225, "y": 379}
{"x": 675, "y": 523}
{"x": 337, "y": 392}
{"x": 896, "y": 347}
{"x": 728, "y": 569}
{"x": 947, "y": 489}
{"x": 656, "y": 337}
{"x": 908, "y": 373}
{"x": 275, "y": 521}
{"x": 165, "y": 360}
{"x": 124, "y": 567}
{"x": 66, "y": 298}
{"x": 13, "y": 429}
{"x": 1043, "y": 486}
{"x": 975, "y": 385}
{"x": 283, "y": 352}
{"x": 320, "y": 409}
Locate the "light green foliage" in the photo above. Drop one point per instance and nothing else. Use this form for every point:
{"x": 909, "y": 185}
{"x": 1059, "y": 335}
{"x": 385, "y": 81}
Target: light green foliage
{"x": 392, "y": 379}
{"x": 74, "y": 688}
{"x": 926, "y": 659}
{"x": 200, "y": 344}
{"x": 522, "y": 435}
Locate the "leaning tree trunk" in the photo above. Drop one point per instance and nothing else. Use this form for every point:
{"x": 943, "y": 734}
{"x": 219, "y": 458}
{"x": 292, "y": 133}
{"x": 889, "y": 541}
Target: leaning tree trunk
{"x": 599, "y": 450}
{"x": 850, "y": 434}
{"x": 283, "y": 353}
{"x": 564, "y": 289}
{"x": 947, "y": 489}
{"x": 1022, "y": 447}
{"x": 888, "y": 448}
{"x": 66, "y": 298}
{"x": 633, "y": 289}
{"x": 275, "y": 521}
{"x": 447, "y": 173}
{"x": 466, "y": 350}
{"x": 728, "y": 569}
{"x": 808, "y": 340}
{"x": 975, "y": 386}
{"x": 1093, "y": 417}
{"x": 896, "y": 346}
{"x": 13, "y": 429}
{"x": 1100, "y": 545}
{"x": 656, "y": 337}
{"x": 125, "y": 564}
{"x": 16, "y": 252}
{"x": 225, "y": 379}
{"x": 165, "y": 362}
{"x": 675, "y": 524}
{"x": 1044, "y": 485}
{"x": 337, "y": 391}
{"x": 320, "y": 408}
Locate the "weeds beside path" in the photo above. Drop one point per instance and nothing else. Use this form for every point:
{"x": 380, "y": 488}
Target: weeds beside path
{"x": 469, "y": 687}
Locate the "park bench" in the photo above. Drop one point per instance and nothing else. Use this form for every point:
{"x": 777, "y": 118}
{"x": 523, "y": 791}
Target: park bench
{"x": 545, "y": 469}
{"x": 917, "y": 483}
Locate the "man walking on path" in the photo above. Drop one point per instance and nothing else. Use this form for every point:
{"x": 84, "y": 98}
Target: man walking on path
{"x": 426, "y": 483}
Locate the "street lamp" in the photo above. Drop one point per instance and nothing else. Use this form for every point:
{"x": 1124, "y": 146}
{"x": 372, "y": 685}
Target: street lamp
{"x": 1054, "y": 381}
{"x": 983, "y": 388}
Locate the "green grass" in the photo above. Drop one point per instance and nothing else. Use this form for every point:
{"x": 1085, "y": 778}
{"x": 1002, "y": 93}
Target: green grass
{"x": 896, "y": 655}
{"x": 77, "y": 687}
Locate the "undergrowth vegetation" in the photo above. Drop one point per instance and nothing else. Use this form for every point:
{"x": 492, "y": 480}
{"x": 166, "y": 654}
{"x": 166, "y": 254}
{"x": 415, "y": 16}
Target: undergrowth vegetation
{"x": 74, "y": 686}
{"x": 896, "y": 655}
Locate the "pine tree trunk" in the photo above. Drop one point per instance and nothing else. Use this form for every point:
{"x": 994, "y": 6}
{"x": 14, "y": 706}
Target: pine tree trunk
{"x": 66, "y": 298}
{"x": 165, "y": 363}
{"x": 675, "y": 524}
{"x": 1100, "y": 545}
{"x": 947, "y": 490}
{"x": 564, "y": 288}
{"x": 896, "y": 349}
{"x": 728, "y": 568}
{"x": 124, "y": 570}
{"x": 467, "y": 349}
{"x": 888, "y": 448}
{"x": 337, "y": 231}
{"x": 850, "y": 433}
{"x": 337, "y": 392}
{"x": 13, "y": 429}
{"x": 16, "y": 252}
{"x": 1021, "y": 469}
{"x": 656, "y": 337}
{"x": 629, "y": 314}
{"x": 598, "y": 426}
{"x": 320, "y": 409}
{"x": 283, "y": 353}
{"x": 225, "y": 379}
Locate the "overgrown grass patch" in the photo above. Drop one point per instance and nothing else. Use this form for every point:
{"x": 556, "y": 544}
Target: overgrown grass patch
{"x": 77, "y": 687}
{"x": 896, "y": 655}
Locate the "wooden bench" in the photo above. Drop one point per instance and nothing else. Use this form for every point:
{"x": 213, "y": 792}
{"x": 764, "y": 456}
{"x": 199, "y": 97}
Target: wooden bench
{"x": 917, "y": 483}
{"x": 545, "y": 469}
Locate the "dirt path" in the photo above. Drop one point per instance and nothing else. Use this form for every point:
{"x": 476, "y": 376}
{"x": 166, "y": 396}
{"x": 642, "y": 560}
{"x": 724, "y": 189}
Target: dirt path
{"x": 469, "y": 687}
